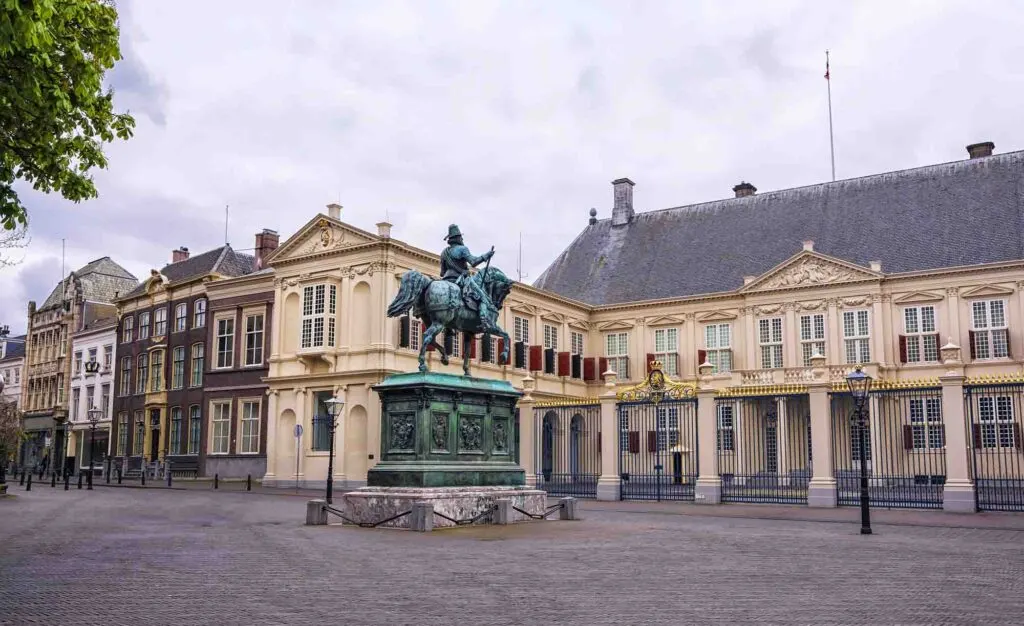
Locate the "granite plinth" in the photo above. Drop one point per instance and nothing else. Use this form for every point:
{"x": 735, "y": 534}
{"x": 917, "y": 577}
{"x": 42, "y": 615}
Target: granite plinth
{"x": 372, "y": 504}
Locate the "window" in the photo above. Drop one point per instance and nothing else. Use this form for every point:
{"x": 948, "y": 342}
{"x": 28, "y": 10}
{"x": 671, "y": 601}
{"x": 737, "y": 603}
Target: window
{"x": 550, "y": 337}
{"x": 180, "y": 317}
{"x": 990, "y": 336}
{"x": 178, "y": 368}
{"x": 922, "y": 342}
{"x": 122, "y": 433}
{"x": 105, "y": 399}
{"x": 198, "y": 358}
{"x": 718, "y": 344}
{"x": 195, "y": 428}
{"x": 141, "y": 374}
{"x": 143, "y": 325}
{"x": 140, "y": 434}
{"x": 667, "y": 428}
{"x": 108, "y": 358}
{"x": 996, "y": 416}
{"x": 75, "y": 396}
{"x": 91, "y": 357}
{"x": 666, "y": 349}
{"x": 156, "y": 370}
{"x": 220, "y": 422}
{"x": 456, "y": 344}
{"x": 199, "y": 313}
{"x": 90, "y": 400}
{"x": 78, "y": 364}
{"x": 492, "y": 355}
{"x": 414, "y": 334}
{"x": 318, "y": 308}
{"x": 126, "y": 329}
{"x": 250, "y": 427}
{"x": 926, "y": 423}
{"x": 225, "y": 342}
{"x": 175, "y": 431}
{"x": 812, "y": 336}
{"x": 623, "y": 431}
{"x": 160, "y": 322}
{"x": 521, "y": 330}
{"x": 726, "y": 440}
{"x": 321, "y": 416}
{"x": 254, "y": 339}
{"x": 770, "y": 340}
{"x": 856, "y": 336}
{"x": 617, "y": 351}
{"x": 576, "y": 341}
{"x": 126, "y": 376}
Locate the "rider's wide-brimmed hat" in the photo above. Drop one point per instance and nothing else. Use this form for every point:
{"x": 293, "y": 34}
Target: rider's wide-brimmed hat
{"x": 453, "y": 231}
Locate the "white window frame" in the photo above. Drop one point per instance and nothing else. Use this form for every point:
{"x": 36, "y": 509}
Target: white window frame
{"x": 194, "y": 380}
{"x": 181, "y": 431}
{"x": 127, "y": 329}
{"x": 105, "y": 399}
{"x": 616, "y": 351}
{"x": 986, "y": 330}
{"x": 77, "y": 371}
{"x": 108, "y": 357}
{"x": 75, "y": 400}
{"x": 249, "y": 425}
{"x": 521, "y": 329}
{"x": 718, "y": 346}
{"x": 857, "y": 336}
{"x": 160, "y": 322}
{"x": 126, "y": 377}
{"x": 550, "y": 337}
{"x": 199, "y": 313}
{"x": 156, "y": 370}
{"x": 195, "y": 415}
{"x": 725, "y": 433}
{"x": 576, "y": 342}
{"x": 225, "y": 342}
{"x": 319, "y": 306}
{"x": 181, "y": 317}
{"x": 141, "y": 374}
{"x": 926, "y": 423}
{"x": 144, "y": 326}
{"x": 812, "y": 336}
{"x": 666, "y": 349}
{"x": 220, "y": 427}
{"x": 254, "y": 339}
{"x": 769, "y": 340}
{"x": 919, "y": 332}
{"x": 996, "y": 420}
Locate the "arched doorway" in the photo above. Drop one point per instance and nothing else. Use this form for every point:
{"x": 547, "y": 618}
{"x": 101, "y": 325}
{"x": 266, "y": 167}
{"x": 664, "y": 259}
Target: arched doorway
{"x": 575, "y": 444}
{"x": 548, "y": 445}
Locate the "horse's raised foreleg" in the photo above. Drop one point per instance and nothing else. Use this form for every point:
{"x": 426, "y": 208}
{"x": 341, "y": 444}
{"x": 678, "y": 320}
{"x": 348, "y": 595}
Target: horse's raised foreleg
{"x": 467, "y": 339}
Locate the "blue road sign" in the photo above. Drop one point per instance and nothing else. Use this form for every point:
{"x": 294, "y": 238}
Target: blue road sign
{"x": 298, "y": 430}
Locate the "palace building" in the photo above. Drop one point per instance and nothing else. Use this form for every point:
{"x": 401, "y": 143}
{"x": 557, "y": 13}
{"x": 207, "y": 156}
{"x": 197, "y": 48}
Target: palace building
{"x": 754, "y": 309}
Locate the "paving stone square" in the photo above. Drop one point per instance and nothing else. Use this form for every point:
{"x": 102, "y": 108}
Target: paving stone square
{"x": 132, "y": 556}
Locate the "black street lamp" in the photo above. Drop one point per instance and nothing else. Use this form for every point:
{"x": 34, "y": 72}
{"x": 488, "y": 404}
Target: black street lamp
{"x": 94, "y": 416}
{"x": 860, "y": 387}
{"x": 334, "y": 407}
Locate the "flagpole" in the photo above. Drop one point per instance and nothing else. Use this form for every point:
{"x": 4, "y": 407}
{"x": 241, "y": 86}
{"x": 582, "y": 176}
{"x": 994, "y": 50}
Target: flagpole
{"x": 831, "y": 140}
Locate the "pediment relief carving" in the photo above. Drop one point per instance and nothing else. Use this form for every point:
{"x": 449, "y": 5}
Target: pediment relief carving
{"x": 767, "y": 309}
{"x": 321, "y": 235}
{"x": 811, "y": 305}
{"x": 982, "y": 291}
{"x": 578, "y": 324}
{"x": 716, "y": 316}
{"x": 522, "y": 307}
{"x": 809, "y": 270}
{"x": 917, "y": 296}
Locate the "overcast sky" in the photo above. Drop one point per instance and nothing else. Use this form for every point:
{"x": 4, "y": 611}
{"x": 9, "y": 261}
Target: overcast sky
{"x": 510, "y": 117}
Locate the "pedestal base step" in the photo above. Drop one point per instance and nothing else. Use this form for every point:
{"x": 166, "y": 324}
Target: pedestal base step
{"x": 370, "y": 505}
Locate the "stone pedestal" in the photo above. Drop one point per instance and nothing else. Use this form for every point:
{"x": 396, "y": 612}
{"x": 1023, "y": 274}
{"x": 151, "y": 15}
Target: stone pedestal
{"x": 373, "y": 504}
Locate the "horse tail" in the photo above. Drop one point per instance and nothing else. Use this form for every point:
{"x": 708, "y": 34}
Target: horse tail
{"x": 413, "y": 284}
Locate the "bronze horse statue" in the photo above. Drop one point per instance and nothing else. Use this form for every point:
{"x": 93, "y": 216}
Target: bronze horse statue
{"x": 442, "y": 305}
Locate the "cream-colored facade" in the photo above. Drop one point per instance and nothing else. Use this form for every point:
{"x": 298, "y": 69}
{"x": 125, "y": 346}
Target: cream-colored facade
{"x": 762, "y": 342}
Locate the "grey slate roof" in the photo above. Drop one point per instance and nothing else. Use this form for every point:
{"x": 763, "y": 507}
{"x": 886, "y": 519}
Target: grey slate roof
{"x": 953, "y": 214}
{"x": 223, "y": 260}
{"x": 101, "y": 280}
{"x": 15, "y": 349}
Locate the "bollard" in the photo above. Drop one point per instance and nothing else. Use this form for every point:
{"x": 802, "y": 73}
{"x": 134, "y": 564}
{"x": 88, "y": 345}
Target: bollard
{"x": 216, "y": 481}
{"x": 503, "y": 511}
{"x": 67, "y": 482}
{"x": 248, "y": 482}
{"x": 119, "y": 475}
{"x": 79, "y": 480}
{"x": 22, "y": 481}
{"x": 316, "y": 513}
{"x": 568, "y": 510}
{"x": 422, "y": 517}
{"x": 53, "y": 480}
{"x": 143, "y": 477}
{"x": 89, "y": 479}
{"x": 106, "y": 474}
{"x": 28, "y": 486}
{"x": 168, "y": 477}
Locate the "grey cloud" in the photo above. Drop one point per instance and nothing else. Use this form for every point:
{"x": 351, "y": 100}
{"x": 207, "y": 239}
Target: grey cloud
{"x": 134, "y": 86}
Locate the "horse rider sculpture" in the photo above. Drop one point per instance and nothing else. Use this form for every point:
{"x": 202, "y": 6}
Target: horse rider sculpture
{"x": 456, "y": 260}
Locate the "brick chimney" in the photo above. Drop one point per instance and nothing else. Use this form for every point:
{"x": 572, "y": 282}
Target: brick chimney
{"x": 179, "y": 255}
{"x": 983, "y": 149}
{"x": 744, "y": 189}
{"x": 622, "y": 212}
{"x": 266, "y": 242}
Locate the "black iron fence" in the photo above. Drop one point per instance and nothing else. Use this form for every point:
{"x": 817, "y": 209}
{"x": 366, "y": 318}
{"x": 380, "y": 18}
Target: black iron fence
{"x": 905, "y": 441}
{"x": 994, "y": 417}
{"x": 764, "y": 448}
{"x": 568, "y": 454}
{"x": 657, "y": 450}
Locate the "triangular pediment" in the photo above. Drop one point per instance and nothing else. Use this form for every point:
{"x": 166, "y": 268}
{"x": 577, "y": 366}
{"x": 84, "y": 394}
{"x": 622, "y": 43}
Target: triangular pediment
{"x": 982, "y": 291}
{"x": 321, "y": 234}
{"x": 916, "y": 297}
{"x": 616, "y": 325}
{"x": 716, "y": 316}
{"x": 550, "y": 316}
{"x": 578, "y": 324}
{"x": 522, "y": 307}
{"x": 809, "y": 269}
{"x": 665, "y": 320}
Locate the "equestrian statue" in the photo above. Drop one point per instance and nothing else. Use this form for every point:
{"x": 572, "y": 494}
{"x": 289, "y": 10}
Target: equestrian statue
{"x": 460, "y": 300}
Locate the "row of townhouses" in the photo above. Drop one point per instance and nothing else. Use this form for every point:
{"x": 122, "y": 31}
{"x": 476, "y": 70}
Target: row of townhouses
{"x": 218, "y": 363}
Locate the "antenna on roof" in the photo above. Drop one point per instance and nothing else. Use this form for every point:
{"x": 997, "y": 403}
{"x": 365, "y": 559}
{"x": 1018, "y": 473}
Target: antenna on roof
{"x": 831, "y": 142}
{"x": 519, "y": 260}
{"x": 63, "y": 284}
{"x": 226, "y": 224}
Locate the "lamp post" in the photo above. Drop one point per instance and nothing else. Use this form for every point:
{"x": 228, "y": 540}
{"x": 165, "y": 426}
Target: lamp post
{"x": 860, "y": 386}
{"x": 94, "y": 416}
{"x": 334, "y": 407}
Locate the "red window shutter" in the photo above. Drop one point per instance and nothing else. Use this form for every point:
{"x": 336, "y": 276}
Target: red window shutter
{"x": 702, "y": 355}
{"x": 1016, "y": 436}
{"x": 564, "y": 365}
{"x": 903, "y": 348}
{"x": 650, "y": 357}
{"x": 908, "y": 437}
{"x": 472, "y": 348}
{"x": 634, "y": 441}
{"x": 652, "y": 441}
{"x": 602, "y": 365}
{"x": 501, "y": 352}
{"x": 588, "y": 369}
{"x": 976, "y": 429}
{"x": 536, "y": 358}
{"x": 970, "y": 340}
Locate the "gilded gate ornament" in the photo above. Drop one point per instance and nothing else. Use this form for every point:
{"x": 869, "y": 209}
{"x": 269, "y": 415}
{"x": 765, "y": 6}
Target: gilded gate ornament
{"x": 656, "y": 387}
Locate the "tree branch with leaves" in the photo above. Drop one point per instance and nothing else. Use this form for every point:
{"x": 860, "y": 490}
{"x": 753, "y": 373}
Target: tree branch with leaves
{"x": 11, "y": 240}
{"x": 10, "y": 429}
{"x": 55, "y": 114}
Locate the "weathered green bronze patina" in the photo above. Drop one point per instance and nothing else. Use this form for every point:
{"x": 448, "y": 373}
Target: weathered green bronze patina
{"x": 458, "y": 301}
{"x": 444, "y": 430}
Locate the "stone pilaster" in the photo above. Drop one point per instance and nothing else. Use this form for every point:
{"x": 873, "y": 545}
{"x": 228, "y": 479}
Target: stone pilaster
{"x": 271, "y": 450}
{"x": 708, "y": 489}
{"x": 528, "y": 432}
{"x": 608, "y": 483}
{"x": 958, "y": 492}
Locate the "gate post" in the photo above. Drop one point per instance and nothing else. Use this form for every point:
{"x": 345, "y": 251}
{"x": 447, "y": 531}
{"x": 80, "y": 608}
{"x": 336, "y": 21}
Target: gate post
{"x": 821, "y": 491}
{"x": 609, "y": 482}
{"x": 528, "y": 433}
{"x": 708, "y": 489}
{"x": 958, "y": 492}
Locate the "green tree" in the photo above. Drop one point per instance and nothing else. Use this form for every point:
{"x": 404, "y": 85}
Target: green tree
{"x": 55, "y": 114}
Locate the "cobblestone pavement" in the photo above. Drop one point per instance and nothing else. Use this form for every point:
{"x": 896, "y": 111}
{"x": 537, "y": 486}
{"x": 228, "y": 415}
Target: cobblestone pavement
{"x": 129, "y": 556}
